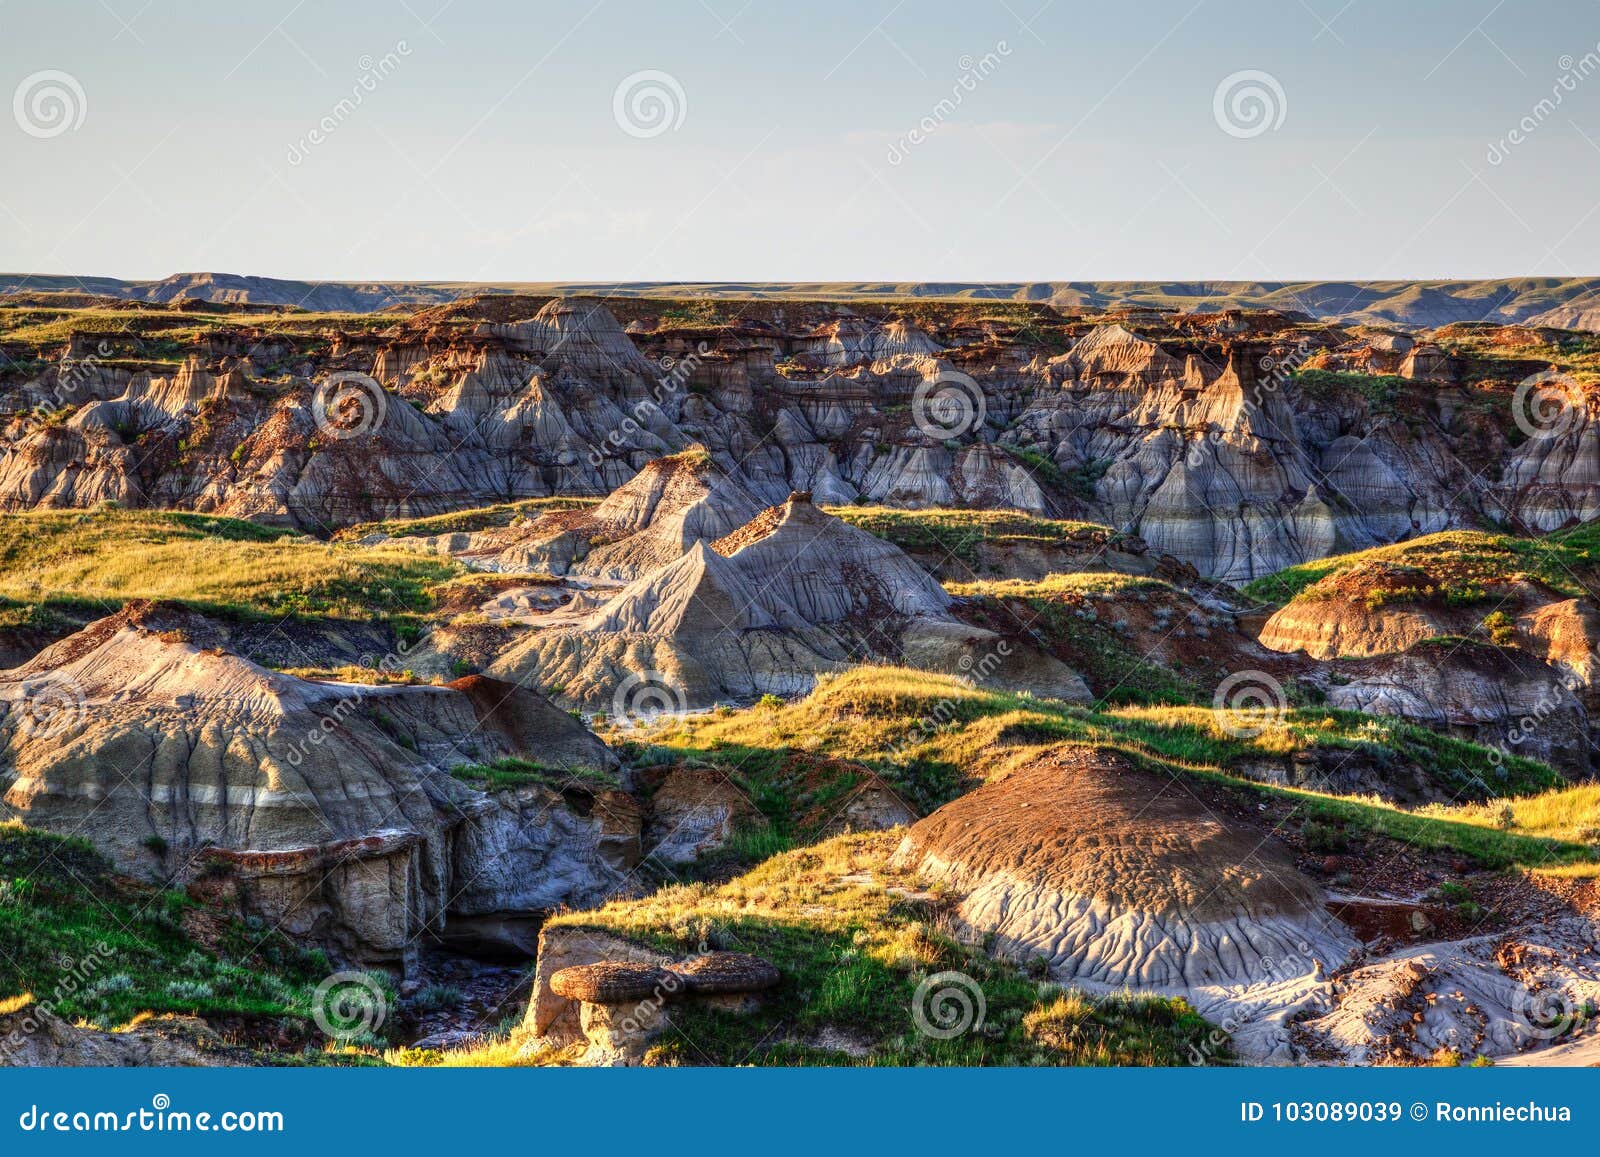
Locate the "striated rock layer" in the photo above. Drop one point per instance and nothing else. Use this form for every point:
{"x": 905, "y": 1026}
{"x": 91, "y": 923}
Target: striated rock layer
{"x": 1189, "y": 431}
{"x": 332, "y": 805}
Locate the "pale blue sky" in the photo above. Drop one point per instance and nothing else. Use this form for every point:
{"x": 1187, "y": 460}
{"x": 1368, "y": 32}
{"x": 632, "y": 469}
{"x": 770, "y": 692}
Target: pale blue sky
{"x": 491, "y": 151}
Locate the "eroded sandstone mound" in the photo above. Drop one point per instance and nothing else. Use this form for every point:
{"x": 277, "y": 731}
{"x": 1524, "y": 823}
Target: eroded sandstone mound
{"x": 1382, "y": 606}
{"x": 1115, "y": 875}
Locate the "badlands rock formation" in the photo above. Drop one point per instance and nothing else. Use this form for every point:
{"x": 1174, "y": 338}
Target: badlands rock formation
{"x": 1192, "y": 431}
{"x": 624, "y": 1004}
{"x": 1491, "y": 695}
{"x": 1497, "y": 996}
{"x": 330, "y": 805}
{"x": 32, "y": 1037}
{"x": 1116, "y": 876}
{"x": 764, "y": 610}
{"x": 650, "y": 520}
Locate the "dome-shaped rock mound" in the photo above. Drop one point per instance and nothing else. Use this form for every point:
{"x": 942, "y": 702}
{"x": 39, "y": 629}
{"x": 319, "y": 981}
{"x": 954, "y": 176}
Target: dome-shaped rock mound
{"x": 1119, "y": 876}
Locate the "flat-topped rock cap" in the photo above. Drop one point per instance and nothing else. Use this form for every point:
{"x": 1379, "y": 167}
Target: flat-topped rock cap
{"x": 727, "y": 972}
{"x": 613, "y": 982}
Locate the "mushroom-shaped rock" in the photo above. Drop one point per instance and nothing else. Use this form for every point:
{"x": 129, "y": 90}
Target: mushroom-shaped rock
{"x": 726, "y": 972}
{"x": 614, "y": 982}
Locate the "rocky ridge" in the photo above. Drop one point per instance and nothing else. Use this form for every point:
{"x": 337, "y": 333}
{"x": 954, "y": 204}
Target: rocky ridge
{"x": 1197, "y": 432}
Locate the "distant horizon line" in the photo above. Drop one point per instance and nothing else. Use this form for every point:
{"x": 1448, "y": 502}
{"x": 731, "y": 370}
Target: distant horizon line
{"x": 804, "y": 281}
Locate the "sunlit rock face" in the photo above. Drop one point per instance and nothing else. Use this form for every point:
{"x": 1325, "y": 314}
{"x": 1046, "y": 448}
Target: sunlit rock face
{"x": 1221, "y": 465}
{"x": 1496, "y": 696}
{"x": 1192, "y": 431}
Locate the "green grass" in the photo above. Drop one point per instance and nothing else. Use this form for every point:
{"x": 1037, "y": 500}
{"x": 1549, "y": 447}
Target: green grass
{"x": 853, "y": 940}
{"x": 478, "y": 518}
{"x": 509, "y": 773}
{"x": 103, "y": 951}
{"x": 1382, "y": 391}
{"x": 1456, "y": 563}
{"x": 961, "y": 532}
{"x": 102, "y": 558}
{"x": 932, "y": 737}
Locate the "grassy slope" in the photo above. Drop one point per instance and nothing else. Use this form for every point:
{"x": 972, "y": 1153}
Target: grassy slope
{"x": 478, "y": 518}
{"x": 109, "y": 556}
{"x": 928, "y": 734}
{"x": 959, "y": 532}
{"x": 1062, "y": 609}
{"x": 1456, "y": 559}
{"x": 853, "y": 939}
{"x": 63, "y": 912}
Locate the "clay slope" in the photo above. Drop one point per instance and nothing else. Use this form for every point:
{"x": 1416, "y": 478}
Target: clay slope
{"x": 1116, "y": 876}
{"x": 331, "y": 805}
{"x": 793, "y": 593}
